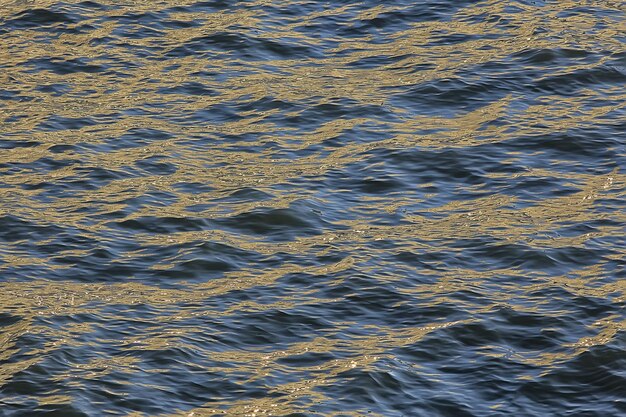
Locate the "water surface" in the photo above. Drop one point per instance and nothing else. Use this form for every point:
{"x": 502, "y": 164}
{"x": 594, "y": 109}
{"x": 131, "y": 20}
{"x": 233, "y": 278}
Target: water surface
{"x": 301, "y": 208}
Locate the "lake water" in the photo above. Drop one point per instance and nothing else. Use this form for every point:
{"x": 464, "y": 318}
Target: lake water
{"x": 312, "y": 208}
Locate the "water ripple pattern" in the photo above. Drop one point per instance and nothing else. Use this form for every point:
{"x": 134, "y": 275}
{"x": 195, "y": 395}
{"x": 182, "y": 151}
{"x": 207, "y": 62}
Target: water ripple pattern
{"x": 312, "y": 208}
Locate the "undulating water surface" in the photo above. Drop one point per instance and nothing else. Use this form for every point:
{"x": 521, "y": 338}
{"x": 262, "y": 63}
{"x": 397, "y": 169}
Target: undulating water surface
{"x": 312, "y": 208}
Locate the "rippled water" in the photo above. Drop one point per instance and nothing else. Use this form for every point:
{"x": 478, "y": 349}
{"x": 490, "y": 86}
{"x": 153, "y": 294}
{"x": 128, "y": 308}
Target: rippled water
{"x": 307, "y": 208}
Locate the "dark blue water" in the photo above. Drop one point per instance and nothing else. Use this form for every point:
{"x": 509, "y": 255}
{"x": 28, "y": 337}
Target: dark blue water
{"x": 298, "y": 208}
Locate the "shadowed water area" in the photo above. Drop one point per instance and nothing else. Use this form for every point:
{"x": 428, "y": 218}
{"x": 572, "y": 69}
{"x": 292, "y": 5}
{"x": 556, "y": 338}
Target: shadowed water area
{"x": 312, "y": 208}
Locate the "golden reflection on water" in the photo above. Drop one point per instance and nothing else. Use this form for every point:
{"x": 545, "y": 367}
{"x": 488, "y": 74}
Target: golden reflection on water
{"x": 111, "y": 100}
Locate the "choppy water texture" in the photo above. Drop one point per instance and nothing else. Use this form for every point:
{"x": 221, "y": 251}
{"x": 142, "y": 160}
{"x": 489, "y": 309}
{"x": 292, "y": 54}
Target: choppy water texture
{"x": 301, "y": 208}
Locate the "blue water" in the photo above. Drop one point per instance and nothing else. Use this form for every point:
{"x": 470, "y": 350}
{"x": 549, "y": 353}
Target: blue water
{"x": 255, "y": 208}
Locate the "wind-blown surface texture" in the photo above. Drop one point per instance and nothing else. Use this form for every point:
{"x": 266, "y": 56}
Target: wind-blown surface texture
{"x": 301, "y": 208}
